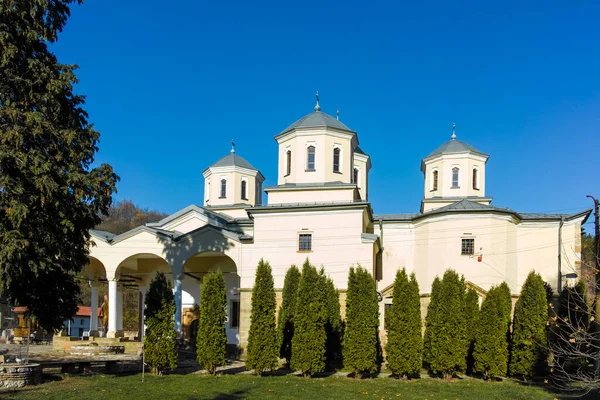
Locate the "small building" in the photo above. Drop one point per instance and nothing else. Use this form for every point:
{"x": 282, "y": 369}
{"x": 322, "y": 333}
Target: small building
{"x": 79, "y": 325}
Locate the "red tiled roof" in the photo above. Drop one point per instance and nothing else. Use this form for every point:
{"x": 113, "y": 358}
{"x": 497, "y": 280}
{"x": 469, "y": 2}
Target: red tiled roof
{"x": 82, "y": 311}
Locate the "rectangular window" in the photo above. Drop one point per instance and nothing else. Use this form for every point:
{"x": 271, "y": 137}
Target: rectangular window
{"x": 467, "y": 247}
{"x": 234, "y": 314}
{"x": 305, "y": 242}
{"x": 310, "y": 158}
{"x": 223, "y": 189}
{"x": 336, "y": 160}
{"x": 455, "y": 177}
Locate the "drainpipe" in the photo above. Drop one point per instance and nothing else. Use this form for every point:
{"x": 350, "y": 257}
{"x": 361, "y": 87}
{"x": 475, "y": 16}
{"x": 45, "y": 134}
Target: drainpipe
{"x": 562, "y": 221}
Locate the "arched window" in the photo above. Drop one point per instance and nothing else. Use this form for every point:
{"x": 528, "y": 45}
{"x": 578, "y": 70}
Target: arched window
{"x": 244, "y": 191}
{"x": 475, "y": 177}
{"x": 310, "y": 158}
{"x": 288, "y": 162}
{"x": 336, "y": 159}
{"x": 223, "y": 188}
{"x": 455, "y": 177}
{"x": 434, "y": 177}
{"x": 355, "y": 176}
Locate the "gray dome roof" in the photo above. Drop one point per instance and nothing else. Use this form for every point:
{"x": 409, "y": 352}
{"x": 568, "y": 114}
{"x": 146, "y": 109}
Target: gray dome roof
{"x": 233, "y": 159}
{"x": 455, "y": 146}
{"x": 317, "y": 119}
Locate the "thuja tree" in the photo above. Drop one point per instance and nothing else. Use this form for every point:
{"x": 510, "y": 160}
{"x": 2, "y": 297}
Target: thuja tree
{"x": 159, "y": 340}
{"x": 262, "y": 339}
{"x": 471, "y": 317}
{"x": 506, "y": 301}
{"x": 404, "y": 347}
{"x": 333, "y": 326}
{"x": 285, "y": 319}
{"x": 445, "y": 328}
{"x": 50, "y": 195}
{"x": 491, "y": 348}
{"x": 211, "y": 342}
{"x": 362, "y": 321}
{"x": 308, "y": 342}
{"x": 529, "y": 328}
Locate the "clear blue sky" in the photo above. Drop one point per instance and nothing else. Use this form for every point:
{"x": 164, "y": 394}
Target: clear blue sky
{"x": 168, "y": 85}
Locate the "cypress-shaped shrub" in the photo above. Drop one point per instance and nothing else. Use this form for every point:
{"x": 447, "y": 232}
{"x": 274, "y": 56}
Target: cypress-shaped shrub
{"x": 285, "y": 319}
{"x": 159, "y": 339}
{"x": 506, "y": 300}
{"x": 491, "y": 348}
{"x": 529, "y": 328}
{"x": 471, "y": 317}
{"x": 308, "y": 342}
{"x": 362, "y": 321}
{"x": 404, "y": 347}
{"x": 211, "y": 342}
{"x": 333, "y": 326}
{"x": 445, "y": 331}
{"x": 262, "y": 339}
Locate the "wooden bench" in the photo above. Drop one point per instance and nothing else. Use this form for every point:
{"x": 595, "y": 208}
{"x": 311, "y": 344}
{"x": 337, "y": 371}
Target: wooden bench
{"x": 82, "y": 367}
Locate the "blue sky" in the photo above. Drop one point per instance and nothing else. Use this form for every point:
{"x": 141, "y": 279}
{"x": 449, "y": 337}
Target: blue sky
{"x": 168, "y": 84}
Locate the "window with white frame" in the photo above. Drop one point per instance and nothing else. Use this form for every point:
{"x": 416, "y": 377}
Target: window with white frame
{"x": 223, "y": 188}
{"x": 310, "y": 158}
{"x": 288, "y": 162}
{"x": 244, "y": 189}
{"x": 336, "y": 159}
{"x": 434, "y": 179}
{"x": 455, "y": 171}
{"x": 305, "y": 242}
{"x": 475, "y": 178}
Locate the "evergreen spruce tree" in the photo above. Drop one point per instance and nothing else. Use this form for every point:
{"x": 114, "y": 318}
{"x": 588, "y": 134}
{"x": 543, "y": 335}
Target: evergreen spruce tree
{"x": 308, "y": 342}
{"x": 529, "y": 328}
{"x": 159, "y": 339}
{"x": 285, "y": 319}
{"x": 491, "y": 348}
{"x": 333, "y": 326}
{"x": 403, "y": 321}
{"x": 471, "y": 317}
{"x": 211, "y": 342}
{"x": 445, "y": 331}
{"x": 262, "y": 339}
{"x": 52, "y": 193}
{"x": 362, "y": 321}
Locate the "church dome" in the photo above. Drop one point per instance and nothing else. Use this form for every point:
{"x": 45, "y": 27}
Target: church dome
{"x": 454, "y": 146}
{"x": 317, "y": 119}
{"x": 233, "y": 159}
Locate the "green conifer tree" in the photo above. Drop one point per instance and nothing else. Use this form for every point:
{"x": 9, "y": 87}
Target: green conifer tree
{"x": 405, "y": 343}
{"x": 445, "y": 332}
{"x": 506, "y": 300}
{"x": 529, "y": 328}
{"x": 262, "y": 339}
{"x": 285, "y": 319}
{"x": 471, "y": 317}
{"x": 159, "y": 340}
{"x": 333, "y": 326}
{"x": 211, "y": 342}
{"x": 491, "y": 348}
{"x": 362, "y": 321}
{"x": 308, "y": 342}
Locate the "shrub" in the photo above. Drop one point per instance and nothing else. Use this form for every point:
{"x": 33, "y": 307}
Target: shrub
{"x": 405, "y": 343}
{"x": 362, "y": 321}
{"x": 308, "y": 342}
{"x": 529, "y": 328}
{"x": 491, "y": 348}
{"x": 159, "y": 340}
{"x": 285, "y": 321}
{"x": 471, "y": 318}
{"x": 262, "y": 339}
{"x": 445, "y": 328}
{"x": 211, "y": 342}
{"x": 333, "y": 326}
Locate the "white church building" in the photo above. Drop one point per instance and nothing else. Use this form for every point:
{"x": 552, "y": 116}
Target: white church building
{"x": 320, "y": 210}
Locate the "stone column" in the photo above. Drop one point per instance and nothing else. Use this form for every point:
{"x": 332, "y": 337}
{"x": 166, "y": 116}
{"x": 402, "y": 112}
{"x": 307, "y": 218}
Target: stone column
{"x": 120, "y": 307}
{"x": 112, "y": 309}
{"x": 177, "y": 291}
{"x": 94, "y": 309}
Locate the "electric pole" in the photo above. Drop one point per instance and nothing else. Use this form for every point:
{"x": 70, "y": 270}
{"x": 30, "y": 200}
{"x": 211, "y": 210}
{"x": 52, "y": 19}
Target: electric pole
{"x": 597, "y": 275}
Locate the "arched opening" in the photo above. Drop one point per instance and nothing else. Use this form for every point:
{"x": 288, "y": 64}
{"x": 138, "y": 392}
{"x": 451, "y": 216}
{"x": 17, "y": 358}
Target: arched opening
{"x": 336, "y": 159}
{"x": 455, "y": 177}
{"x": 310, "y": 158}
{"x": 194, "y": 270}
{"x": 288, "y": 162}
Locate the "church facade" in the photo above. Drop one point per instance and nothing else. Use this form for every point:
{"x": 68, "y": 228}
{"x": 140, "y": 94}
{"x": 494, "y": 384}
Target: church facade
{"x": 320, "y": 210}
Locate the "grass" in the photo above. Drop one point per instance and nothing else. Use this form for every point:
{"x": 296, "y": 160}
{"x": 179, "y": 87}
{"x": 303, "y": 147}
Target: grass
{"x": 192, "y": 387}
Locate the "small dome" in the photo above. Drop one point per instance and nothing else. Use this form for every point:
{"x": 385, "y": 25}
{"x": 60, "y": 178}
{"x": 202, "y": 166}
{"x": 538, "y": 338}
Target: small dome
{"x": 455, "y": 146}
{"x": 233, "y": 159}
{"x": 317, "y": 119}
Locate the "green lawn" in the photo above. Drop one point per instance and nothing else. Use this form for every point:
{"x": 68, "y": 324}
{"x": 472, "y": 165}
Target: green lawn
{"x": 193, "y": 386}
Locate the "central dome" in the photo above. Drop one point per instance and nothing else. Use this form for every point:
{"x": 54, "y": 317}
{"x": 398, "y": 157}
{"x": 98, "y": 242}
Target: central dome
{"x": 317, "y": 119}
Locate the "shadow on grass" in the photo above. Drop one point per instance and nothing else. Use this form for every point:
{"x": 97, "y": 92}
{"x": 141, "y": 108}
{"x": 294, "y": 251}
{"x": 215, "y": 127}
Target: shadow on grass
{"x": 238, "y": 394}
